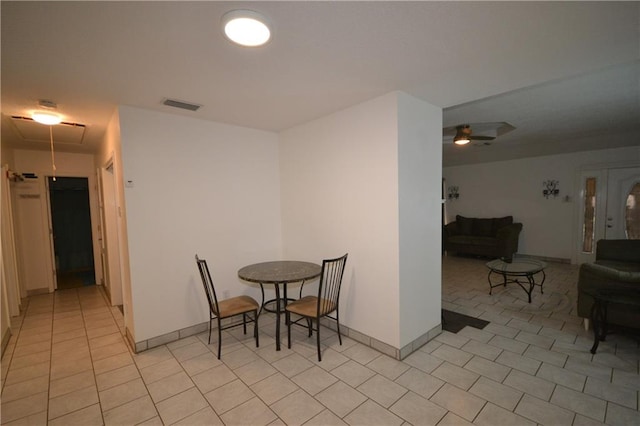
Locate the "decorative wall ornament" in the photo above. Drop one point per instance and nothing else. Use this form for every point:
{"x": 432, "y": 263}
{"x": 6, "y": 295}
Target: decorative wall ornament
{"x": 453, "y": 193}
{"x": 550, "y": 188}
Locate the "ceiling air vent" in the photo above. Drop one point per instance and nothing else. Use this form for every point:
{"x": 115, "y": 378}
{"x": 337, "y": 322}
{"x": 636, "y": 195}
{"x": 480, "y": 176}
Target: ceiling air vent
{"x": 182, "y": 105}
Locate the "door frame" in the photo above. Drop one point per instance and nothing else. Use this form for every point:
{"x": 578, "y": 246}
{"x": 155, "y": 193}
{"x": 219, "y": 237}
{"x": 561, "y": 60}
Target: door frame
{"x": 601, "y": 172}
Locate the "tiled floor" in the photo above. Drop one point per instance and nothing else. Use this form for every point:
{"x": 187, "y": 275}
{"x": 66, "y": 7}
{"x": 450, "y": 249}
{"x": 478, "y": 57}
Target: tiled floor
{"x": 68, "y": 364}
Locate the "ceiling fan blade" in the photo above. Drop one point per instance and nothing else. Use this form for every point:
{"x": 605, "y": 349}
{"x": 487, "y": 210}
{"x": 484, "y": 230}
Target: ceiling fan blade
{"x": 481, "y": 138}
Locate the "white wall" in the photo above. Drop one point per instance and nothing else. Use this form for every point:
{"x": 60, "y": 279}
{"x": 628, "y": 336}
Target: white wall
{"x": 340, "y": 194}
{"x": 420, "y": 183}
{"x": 198, "y": 187}
{"x": 515, "y": 188}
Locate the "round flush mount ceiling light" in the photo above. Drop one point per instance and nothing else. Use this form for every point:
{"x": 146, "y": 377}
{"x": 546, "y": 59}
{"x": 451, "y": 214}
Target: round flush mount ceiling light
{"x": 48, "y": 118}
{"x": 246, "y": 28}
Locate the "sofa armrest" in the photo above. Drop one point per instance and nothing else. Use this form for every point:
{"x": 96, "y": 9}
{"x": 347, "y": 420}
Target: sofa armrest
{"x": 620, "y": 250}
{"x": 509, "y": 232}
{"x": 451, "y": 229}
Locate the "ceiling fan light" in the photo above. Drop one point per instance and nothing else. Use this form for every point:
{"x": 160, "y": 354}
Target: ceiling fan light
{"x": 462, "y": 140}
{"x": 47, "y": 118}
{"x": 246, "y": 28}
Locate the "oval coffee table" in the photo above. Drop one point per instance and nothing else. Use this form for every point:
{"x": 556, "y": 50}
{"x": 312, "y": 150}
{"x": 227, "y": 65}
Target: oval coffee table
{"x": 515, "y": 271}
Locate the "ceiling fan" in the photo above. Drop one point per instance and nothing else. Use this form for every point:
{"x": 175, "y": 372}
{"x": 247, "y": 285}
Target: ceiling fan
{"x": 462, "y": 134}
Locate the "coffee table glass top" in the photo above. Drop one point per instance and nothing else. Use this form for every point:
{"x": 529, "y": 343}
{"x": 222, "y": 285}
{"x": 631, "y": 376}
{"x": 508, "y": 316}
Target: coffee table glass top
{"x": 517, "y": 266}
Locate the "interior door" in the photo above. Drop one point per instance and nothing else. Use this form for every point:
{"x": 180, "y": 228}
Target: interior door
{"x": 113, "y": 278}
{"x": 620, "y": 205}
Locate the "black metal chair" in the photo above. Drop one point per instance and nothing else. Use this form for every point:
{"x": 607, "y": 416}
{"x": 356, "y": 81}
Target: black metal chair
{"x": 239, "y": 305}
{"x": 313, "y": 308}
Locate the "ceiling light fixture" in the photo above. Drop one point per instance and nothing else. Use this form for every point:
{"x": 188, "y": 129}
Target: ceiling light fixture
{"x": 246, "y": 28}
{"x": 462, "y": 136}
{"x": 47, "y": 118}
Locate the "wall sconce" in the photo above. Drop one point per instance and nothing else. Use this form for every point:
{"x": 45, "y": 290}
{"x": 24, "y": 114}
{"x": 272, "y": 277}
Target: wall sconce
{"x": 453, "y": 193}
{"x": 550, "y": 188}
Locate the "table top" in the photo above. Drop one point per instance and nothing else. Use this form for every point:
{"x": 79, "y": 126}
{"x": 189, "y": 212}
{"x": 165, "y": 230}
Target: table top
{"x": 279, "y": 272}
{"x": 517, "y": 266}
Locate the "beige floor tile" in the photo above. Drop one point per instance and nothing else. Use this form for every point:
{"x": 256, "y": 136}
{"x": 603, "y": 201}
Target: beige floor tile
{"x": 239, "y": 357}
{"x": 72, "y": 401}
{"x": 588, "y": 368}
{"x": 352, "y": 373}
{"x": 531, "y": 385}
{"x": 497, "y": 393}
{"x": 160, "y": 370}
{"x": 455, "y": 375}
{"x": 112, "y": 363}
{"x": 32, "y": 348}
{"x": 17, "y": 375}
{"x": 341, "y": 398}
{"x": 255, "y": 371}
{"x": 423, "y": 361}
{"x": 122, "y": 394}
{"x": 192, "y": 350}
{"x": 109, "y": 350}
{"x": 62, "y": 369}
{"x": 484, "y": 350}
{"x": 297, "y": 408}
{"x": 152, "y": 356}
{"x": 579, "y": 402}
{"x": 382, "y": 390}
{"x": 169, "y": 386}
{"x": 292, "y": 365}
{"x": 518, "y": 362}
{"x": 32, "y": 419}
{"x": 274, "y": 388}
{"x": 452, "y": 355}
{"x": 23, "y": 407}
{"x": 204, "y": 417}
{"x": 88, "y": 416}
{"x": 621, "y": 395}
{"x": 417, "y": 410}
{"x": 200, "y": 363}
{"x": 451, "y": 419}
{"x": 325, "y": 418}
{"x": 361, "y": 353}
{"x": 492, "y": 415}
{"x": 134, "y": 412}
{"x": 617, "y": 415}
{"x": 487, "y": 368}
{"x": 561, "y": 376}
{"x": 388, "y": 367}
{"x": 181, "y": 405}
{"x": 476, "y": 334}
{"x": 420, "y": 382}
{"x": 105, "y": 340}
{"x": 626, "y": 379}
{"x": 508, "y": 344}
{"x": 71, "y": 383}
{"x": 372, "y": 413}
{"x": 69, "y": 335}
{"x": 213, "y": 378}
{"x": 24, "y": 389}
{"x": 30, "y": 360}
{"x": 314, "y": 380}
{"x": 462, "y": 403}
{"x": 452, "y": 339}
{"x": 117, "y": 377}
{"x": 543, "y": 412}
{"x": 229, "y": 396}
{"x": 252, "y": 412}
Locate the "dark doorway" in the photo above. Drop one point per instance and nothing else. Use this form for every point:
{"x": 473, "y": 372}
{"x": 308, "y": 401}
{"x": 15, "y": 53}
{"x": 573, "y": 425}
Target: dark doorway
{"x": 72, "y": 240}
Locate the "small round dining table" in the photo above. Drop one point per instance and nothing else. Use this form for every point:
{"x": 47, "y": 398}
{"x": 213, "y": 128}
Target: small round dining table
{"x": 280, "y": 273}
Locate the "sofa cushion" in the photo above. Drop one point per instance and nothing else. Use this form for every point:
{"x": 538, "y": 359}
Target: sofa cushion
{"x": 473, "y": 240}
{"x": 465, "y": 225}
{"x": 501, "y": 222}
{"x": 482, "y": 228}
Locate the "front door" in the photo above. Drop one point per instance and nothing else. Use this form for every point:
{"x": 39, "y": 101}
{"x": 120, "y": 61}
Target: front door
{"x": 623, "y": 192}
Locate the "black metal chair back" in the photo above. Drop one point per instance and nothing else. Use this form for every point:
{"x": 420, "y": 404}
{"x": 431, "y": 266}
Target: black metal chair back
{"x": 207, "y": 282}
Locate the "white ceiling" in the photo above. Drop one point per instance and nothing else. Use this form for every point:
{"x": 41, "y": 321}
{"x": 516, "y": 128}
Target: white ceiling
{"x": 565, "y": 74}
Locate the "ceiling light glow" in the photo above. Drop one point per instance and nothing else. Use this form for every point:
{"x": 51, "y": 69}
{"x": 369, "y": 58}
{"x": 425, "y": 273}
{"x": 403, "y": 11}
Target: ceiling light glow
{"x": 47, "y": 118}
{"x": 246, "y": 28}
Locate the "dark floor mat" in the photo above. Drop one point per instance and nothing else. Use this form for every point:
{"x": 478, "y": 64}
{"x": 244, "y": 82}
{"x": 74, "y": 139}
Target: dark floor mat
{"x": 454, "y": 322}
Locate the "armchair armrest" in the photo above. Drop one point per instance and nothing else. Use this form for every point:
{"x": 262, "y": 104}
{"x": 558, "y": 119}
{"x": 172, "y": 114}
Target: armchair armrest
{"x": 610, "y": 274}
{"x": 451, "y": 229}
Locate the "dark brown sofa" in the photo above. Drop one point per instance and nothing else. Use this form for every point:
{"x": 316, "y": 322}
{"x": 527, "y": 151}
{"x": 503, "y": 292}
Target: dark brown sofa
{"x": 617, "y": 266}
{"x": 490, "y": 237}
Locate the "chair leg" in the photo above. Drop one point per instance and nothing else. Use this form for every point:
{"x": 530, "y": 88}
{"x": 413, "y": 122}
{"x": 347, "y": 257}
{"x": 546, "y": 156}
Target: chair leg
{"x": 288, "y": 321}
{"x": 255, "y": 328}
{"x": 210, "y": 319}
{"x": 219, "y": 339}
{"x": 338, "y": 327}
{"x": 244, "y": 323}
{"x": 318, "y": 339}
{"x": 310, "y": 326}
